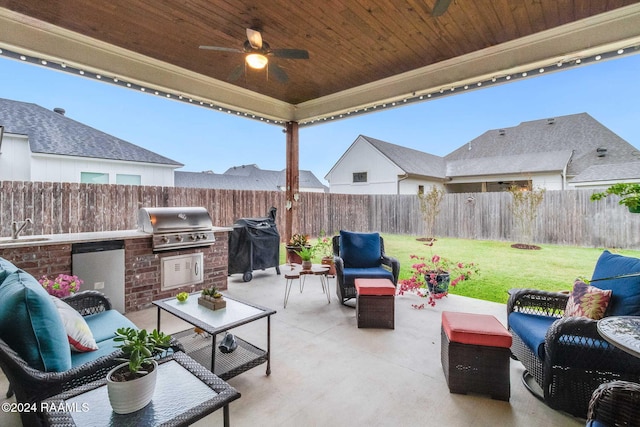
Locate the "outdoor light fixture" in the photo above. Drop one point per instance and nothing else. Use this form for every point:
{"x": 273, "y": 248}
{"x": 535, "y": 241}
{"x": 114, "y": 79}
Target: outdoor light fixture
{"x": 256, "y": 61}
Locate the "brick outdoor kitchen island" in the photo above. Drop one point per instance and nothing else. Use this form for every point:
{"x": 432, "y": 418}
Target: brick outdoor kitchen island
{"x": 51, "y": 255}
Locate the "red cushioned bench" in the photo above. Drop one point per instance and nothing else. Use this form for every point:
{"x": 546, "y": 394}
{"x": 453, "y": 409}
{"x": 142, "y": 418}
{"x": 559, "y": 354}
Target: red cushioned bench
{"x": 375, "y": 303}
{"x": 475, "y": 351}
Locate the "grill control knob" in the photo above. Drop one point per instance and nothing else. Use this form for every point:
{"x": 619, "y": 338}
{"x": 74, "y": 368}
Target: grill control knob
{"x": 193, "y": 237}
{"x": 203, "y": 236}
{"x": 165, "y": 239}
{"x": 179, "y": 238}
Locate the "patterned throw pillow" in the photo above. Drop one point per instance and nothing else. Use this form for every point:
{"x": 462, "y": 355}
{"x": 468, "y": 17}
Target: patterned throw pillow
{"x": 587, "y": 301}
{"x": 78, "y": 332}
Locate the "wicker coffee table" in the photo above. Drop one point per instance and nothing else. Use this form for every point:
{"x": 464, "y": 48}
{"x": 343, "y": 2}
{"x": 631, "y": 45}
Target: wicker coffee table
{"x": 203, "y": 344}
{"x": 201, "y": 393}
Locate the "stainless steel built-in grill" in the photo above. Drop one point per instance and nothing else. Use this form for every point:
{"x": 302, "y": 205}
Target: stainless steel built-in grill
{"x": 177, "y": 227}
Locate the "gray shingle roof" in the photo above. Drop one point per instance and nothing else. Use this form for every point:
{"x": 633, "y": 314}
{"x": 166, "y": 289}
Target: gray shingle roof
{"x": 579, "y": 133}
{"x": 245, "y": 177}
{"x": 515, "y": 164}
{"x": 53, "y": 133}
{"x": 622, "y": 171}
{"x": 222, "y": 181}
{"x": 546, "y": 145}
{"x": 411, "y": 161}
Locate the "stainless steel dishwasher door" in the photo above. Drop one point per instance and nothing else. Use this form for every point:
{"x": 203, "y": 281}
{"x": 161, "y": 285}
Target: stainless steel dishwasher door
{"x": 101, "y": 266}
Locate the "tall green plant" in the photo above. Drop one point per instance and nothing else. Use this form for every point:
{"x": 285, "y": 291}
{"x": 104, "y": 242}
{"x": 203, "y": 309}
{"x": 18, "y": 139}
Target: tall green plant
{"x": 524, "y": 207}
{"x": 430, "y": 208}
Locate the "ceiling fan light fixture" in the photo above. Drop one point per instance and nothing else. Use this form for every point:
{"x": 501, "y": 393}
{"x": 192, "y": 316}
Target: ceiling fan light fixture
{"x": 256, "y": 61}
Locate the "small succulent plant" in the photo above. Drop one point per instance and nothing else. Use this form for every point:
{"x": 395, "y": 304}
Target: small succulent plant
{"x": 211, "y": 292}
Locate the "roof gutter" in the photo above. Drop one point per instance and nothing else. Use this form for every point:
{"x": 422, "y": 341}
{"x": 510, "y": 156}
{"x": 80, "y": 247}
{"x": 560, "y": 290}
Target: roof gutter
{"x": 402, "y": 178}
{"x": 564, "y": 170}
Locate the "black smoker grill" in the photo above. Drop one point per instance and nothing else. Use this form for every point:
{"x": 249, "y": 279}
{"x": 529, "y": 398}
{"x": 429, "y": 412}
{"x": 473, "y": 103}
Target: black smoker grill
{"x": 254, "y": 244}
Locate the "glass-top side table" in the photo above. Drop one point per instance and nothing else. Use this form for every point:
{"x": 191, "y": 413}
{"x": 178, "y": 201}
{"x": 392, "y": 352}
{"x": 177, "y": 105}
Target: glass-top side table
{"x": 200, "y": 393}
{"x": 622, "y": 331}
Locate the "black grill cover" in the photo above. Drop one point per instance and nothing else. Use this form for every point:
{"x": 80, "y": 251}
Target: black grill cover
{"x": 254, "y": 244}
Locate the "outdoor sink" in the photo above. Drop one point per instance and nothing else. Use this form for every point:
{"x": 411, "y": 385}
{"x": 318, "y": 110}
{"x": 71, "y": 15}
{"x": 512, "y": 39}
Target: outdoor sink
{"x": 8, "y": 241}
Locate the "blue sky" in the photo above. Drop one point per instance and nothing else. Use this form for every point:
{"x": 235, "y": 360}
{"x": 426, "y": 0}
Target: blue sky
{"x": 202, "y": 139}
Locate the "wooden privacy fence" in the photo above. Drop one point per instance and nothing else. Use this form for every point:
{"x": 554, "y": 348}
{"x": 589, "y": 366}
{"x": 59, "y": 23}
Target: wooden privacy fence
{"x": 564, "y": 217}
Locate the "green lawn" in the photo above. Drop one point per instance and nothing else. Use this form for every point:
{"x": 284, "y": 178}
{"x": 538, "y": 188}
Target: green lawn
{"x": 501, "y": 267}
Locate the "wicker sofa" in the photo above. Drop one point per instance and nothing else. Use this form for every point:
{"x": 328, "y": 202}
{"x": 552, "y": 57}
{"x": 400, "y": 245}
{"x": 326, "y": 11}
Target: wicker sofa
{"x": 360, "y": 255}
{"x": 566, "y": 356}
{"x": 34, "y": 348}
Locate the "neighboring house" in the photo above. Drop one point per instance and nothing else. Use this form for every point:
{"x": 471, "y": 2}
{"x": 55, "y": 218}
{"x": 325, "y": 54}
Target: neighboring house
{"x": 44, "y": 145}
{"x": 574, "y": 151}
{"x": 371, "y": 166}
{"x": 551, "y": 153}
{"x": 247, "y": 177}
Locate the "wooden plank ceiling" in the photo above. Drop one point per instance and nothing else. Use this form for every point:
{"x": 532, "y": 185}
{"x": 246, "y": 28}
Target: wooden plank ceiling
{"x": 350, "y": 43}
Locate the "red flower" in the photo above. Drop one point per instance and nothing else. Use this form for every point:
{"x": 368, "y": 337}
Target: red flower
{"x": 425, "y": 276}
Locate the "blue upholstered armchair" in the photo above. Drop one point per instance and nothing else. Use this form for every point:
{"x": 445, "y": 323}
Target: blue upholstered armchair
{"x": 565, "y": 355}
{"x": 361, "y": 255}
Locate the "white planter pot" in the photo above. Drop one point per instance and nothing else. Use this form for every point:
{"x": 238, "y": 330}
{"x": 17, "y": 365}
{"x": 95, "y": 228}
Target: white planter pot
{"x": 130, "y": 396}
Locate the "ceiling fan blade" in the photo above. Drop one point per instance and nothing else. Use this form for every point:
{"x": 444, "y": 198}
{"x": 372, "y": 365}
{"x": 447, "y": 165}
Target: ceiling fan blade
{"x": 290, "y": 53}
{"x": 440, "y": 7}
{"x": 278, "y": 73}
{"x": 235, "y": 73}
{"x": 222, "y": 49}
{"x": 255, "y": 38}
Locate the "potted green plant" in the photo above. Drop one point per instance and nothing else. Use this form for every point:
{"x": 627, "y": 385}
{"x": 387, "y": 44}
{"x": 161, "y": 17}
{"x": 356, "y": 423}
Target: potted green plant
{"x": 130, "y": 385}
{"x": 629, "y": 194}
{"x": 306, "y": 255}
{"x": 296, "y": 243}
{"x": 212, "y": 299}
{"x": 431, "y": 277}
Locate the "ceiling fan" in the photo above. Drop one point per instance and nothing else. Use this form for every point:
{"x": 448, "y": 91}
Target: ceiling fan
{"x": 257, "y": 52}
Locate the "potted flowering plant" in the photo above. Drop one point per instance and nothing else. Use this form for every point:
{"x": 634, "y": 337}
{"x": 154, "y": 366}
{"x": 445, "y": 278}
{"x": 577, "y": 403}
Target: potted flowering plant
{"x": 62, "y": 286}
{"x": 295, "y": 245}
{"x": 431, "y": 277}
{"x": 324, "y": 247}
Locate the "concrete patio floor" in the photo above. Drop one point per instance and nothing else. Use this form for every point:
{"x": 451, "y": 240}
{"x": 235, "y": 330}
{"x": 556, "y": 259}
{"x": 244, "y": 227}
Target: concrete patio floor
{"x": 327, "y": 372}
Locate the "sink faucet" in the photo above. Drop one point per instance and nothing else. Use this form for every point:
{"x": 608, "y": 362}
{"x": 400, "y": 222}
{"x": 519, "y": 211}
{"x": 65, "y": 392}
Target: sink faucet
{"x": 15, "y": 230}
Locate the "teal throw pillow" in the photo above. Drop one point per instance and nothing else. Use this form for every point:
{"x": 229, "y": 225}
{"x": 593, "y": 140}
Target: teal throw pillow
{"x": 30, "y": 324}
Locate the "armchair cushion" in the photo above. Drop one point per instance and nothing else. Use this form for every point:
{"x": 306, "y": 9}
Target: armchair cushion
{"x": 351, "y": 274}
{"x": 587, "y": 301}
{"x": 360, "y": 250}
{"x": 103, "y": 325}
{"x": 30, "y": 323}
{"x": 532, "y": 329}
{"x": 625, "y": 296}
{"x": 105, "y": 348}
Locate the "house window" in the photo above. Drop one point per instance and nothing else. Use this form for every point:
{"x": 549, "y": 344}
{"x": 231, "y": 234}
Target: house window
{"x": 359, "y": 177}
{"x": 94, "y": 178}
{"x": 420, "y": 189}
{"x": 125, "y": 179}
